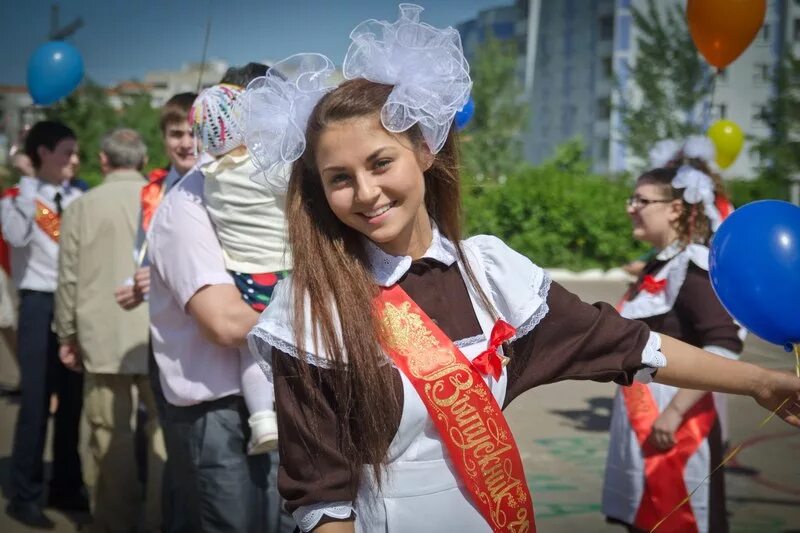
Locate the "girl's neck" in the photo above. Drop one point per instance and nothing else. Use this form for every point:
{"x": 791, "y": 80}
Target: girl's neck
{"x": 665, "y": 240}
{"x": 413, "y": 242}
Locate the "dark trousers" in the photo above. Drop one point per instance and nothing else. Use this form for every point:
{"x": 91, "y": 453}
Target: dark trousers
{"x": 222, "y": 487}
{"x": 173, "y": 515}
{"x": 42, "y": 374}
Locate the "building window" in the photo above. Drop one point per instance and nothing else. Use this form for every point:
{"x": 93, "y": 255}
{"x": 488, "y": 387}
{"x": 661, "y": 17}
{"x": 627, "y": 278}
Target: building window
{"x": 607, "y": 27}
{"x": 796, "y": 32}
{"x": 567, "y": 119}
{"x": 603, "y": 148}
{"x": 765, "y": 33}
{"x": 603, "y": 108}
{"x": 761, "y": 74}
{"x": 721, "y": 111}
{"x": 607, "y": 67}
{"x": 624, "y": 32}
{"x": 759, "y": 113}
{"x": 503, "y": 30}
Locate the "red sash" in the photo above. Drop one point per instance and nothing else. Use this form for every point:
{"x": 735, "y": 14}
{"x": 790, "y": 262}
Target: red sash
{"x": 664, "y": 484}
{"x": 48, "y": 221}
{"x": 151, "y": 195}
{"x": 723, "y": 205}
{"x": 470, "y": 423}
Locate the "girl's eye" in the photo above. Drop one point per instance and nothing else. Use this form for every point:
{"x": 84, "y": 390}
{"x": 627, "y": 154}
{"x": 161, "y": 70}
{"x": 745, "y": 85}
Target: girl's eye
{"x": 339, "y": 178}
{"x": 382, "y": 163}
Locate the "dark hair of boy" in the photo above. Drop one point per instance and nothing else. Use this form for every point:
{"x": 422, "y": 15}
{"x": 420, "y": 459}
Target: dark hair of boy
{"x": 176, "y": 110}
{"x": 47, "y": 133}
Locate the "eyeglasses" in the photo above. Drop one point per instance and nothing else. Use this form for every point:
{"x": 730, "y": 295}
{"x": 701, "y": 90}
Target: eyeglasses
{"x": 637, "y": 202}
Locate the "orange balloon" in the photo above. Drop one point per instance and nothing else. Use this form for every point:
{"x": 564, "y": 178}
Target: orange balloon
{"x": 723, "y": 29}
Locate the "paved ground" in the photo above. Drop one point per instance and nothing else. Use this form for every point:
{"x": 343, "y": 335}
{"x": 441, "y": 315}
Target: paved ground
{"x": 562, "y": 432}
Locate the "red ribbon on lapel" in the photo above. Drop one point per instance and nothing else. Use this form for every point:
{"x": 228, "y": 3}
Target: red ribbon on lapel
{"x": 489, "y": 362}
{"x": 653, "y": 285}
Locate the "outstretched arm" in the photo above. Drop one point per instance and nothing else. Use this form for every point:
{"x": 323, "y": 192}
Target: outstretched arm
{"x": 692, "y": 368}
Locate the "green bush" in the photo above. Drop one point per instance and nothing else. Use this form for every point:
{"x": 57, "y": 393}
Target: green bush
{"x": 557, "y": 215}
{"x": 762, "y": 188}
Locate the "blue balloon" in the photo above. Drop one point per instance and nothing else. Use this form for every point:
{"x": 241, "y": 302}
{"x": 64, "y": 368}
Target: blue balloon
{"x": 755, "y": 269}
{"x": 465, "y": 115}
{"x": 54, "y": 70}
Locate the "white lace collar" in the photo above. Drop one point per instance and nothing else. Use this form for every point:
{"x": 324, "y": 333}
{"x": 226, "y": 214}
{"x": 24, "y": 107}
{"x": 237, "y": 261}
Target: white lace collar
{"x": 646, "y": 304}
{"x": 387, "y": 269}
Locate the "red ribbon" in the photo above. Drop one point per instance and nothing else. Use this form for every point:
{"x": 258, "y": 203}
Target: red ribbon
{"x": 489, "y": 362}
{"x": 723, "y": 205}
{"x": 664, "y": 484}
{"x": 653, "y": 285}
{"x": 151, "y": 195}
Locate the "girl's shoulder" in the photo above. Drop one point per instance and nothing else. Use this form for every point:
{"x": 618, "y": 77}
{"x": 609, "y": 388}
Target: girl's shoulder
{"x": 697, "y": 255}
{"x": 517, "y": 286}
{"x": 275, "y": 329}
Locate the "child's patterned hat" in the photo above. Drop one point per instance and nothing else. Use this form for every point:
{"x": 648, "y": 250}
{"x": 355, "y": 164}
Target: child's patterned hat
{"x": 216, "y": 119}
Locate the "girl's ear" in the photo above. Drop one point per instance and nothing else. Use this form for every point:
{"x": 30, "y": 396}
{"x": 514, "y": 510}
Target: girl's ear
{"x": 425, "y": 157}
{"x": 675, "y": 210}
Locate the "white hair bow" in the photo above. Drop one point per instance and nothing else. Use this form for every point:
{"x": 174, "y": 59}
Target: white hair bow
{"x": 426, "y": 66}
{"x": 663, "y": 152}
{"x": 699, "y": 147}
{"x": 698, "y": 187}
{"x": 276, "y": 112}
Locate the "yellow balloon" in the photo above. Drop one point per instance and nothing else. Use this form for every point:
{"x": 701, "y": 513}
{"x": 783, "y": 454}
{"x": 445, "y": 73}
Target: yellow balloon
{"x": 728, "y": 139}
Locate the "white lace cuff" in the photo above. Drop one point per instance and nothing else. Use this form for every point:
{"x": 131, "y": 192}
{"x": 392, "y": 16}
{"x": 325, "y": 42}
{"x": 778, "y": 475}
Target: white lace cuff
{"x": 652, "y": 359}
{"x": 308, "y": 516}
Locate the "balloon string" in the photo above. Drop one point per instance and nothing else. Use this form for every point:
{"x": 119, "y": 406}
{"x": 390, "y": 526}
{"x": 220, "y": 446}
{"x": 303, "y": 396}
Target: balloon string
{"x": 711, "y": 89}
{"x": 732, "y": 453}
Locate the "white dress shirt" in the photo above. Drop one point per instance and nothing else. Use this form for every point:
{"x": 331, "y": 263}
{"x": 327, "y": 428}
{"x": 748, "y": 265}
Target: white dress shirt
{"x": 34, "y": 253}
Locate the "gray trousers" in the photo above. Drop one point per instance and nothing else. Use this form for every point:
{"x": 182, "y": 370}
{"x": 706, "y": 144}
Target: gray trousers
{"x": 222, "y": 489}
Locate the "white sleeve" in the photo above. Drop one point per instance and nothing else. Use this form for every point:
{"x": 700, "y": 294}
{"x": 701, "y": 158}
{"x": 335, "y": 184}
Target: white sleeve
{"x": 519, "y": 287}
{"x": 18, "y": 212}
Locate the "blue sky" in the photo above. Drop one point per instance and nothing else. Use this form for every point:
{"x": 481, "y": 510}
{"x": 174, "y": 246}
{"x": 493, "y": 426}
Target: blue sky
{"x": 123, "y": 39}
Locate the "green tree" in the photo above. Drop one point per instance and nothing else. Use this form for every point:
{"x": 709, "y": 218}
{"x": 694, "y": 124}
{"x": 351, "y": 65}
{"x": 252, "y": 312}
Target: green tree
{"x": 89, "y": 112}
{"x": 780, "y": 151}
{"x": 670, "y": 81}
{"x": 491, "y": 143}
{"x": 139, "y": 114}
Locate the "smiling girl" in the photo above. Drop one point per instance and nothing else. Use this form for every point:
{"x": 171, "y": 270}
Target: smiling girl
{"x": 395, "y": 344}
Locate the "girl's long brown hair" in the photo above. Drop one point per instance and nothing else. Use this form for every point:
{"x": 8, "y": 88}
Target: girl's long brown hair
{"x": 332, "y": 278}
